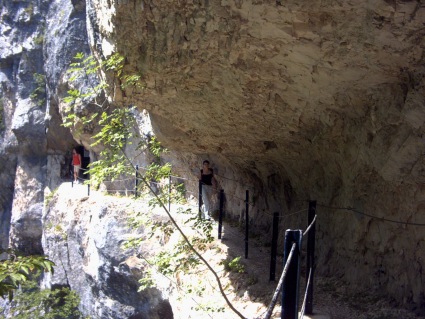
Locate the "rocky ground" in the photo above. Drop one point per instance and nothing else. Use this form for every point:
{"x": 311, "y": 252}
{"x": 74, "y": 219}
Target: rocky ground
{"x": 332, "y": 297}
{"x": 250, "y": 291}
{"x": 246, "y": 284}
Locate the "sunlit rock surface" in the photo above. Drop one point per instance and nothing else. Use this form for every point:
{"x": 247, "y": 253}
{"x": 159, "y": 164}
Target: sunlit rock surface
{"x": 292, "y": 100}
{"x": 296, "y": 100}
{"x": 84, "y": 236}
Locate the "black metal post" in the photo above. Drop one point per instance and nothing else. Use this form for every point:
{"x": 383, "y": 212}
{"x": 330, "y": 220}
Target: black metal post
{"x": 246, "y": 223}
{"x": 274, "y": 246}
{"x": 72, "y": 177}
{"x": 136, "y": 184}
{"x": 88, "y": 189}
{"x": 310, "y": 256}
{"x": 291, "y": 284}
{"x": 220, "y": 216}
{"x": 200, "y": 200}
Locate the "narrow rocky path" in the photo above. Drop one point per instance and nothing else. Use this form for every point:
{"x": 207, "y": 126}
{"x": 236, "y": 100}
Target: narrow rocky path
{"x": 250, "y": 291}
{"x": 332, "y": 297}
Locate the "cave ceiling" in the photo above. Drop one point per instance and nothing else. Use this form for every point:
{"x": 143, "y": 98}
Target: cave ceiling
{"x": 337, "y": 84}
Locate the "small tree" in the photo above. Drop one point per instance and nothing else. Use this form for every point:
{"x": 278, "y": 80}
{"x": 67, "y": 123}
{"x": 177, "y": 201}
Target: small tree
{"x": 117, "y": 130}
{"x": 32, "y": 302}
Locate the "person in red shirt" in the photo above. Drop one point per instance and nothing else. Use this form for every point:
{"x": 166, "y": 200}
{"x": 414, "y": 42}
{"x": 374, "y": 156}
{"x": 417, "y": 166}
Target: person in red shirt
{"x": 76, "y": 163}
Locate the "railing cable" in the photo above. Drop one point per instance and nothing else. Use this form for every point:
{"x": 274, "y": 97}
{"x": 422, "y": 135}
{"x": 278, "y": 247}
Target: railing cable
{"x": 309, "y": 226}
{"x": 279, "y": 285}
{"x": 372, "y": 216}
{"x": 305, "y": 295}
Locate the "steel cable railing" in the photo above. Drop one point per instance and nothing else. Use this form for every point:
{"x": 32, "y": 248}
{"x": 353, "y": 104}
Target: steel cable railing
{"x": 310, "y": 226}
{"x": 372, "y": 216}
{"x": 236, "y": 234}
{"x": 239, "y": 236}
{"x": 296, "y": 236}
{"x": 305, "y": 295}
{"x": 280, "y": 283}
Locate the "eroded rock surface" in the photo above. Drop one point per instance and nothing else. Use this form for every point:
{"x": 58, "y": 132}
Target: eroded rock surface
{"x": 292, "y": 100}
{"x": 301, "y": 101}
{"x": 84, "y": 236}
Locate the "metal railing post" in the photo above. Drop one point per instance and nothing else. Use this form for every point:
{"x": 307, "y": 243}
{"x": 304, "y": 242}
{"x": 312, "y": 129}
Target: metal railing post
{"x": 274, "y": 246}
{"x": 220, "y": 216}
{"x": 291, "y": 285}
{"x": 310, "y": 256}
{"x": 136, "y": 184}
{"x": 246, "y": 222}
{"x": 200, "y": 199}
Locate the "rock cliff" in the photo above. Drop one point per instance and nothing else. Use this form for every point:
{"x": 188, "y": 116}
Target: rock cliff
{"x": 85, "y": 236}
{"x": 297, "y": 100}
{"x": 292, "y": 100}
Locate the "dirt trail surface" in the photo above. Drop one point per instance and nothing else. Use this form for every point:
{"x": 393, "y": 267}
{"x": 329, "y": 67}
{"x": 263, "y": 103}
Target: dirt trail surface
{"x": 252, "y": 290}
{"x": 196, "y": 295}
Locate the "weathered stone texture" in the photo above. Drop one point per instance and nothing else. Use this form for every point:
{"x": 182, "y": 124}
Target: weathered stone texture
{"x": 84, "y": 237}
{"x": 303, "y": 100}
{"x": 293, "y": 100}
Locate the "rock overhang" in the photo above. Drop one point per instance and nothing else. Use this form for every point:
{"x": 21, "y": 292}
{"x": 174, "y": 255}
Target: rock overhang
{"x": 296, "y": 85}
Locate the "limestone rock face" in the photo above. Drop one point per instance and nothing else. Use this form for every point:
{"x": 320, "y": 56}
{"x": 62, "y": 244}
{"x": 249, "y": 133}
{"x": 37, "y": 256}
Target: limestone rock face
{"x": 292, "y": 100}
{"x": 21, "y": 116}
{"x": 84, "y": 237}
{"x": 299, "y": 100}
{"x": 35, "y": 51}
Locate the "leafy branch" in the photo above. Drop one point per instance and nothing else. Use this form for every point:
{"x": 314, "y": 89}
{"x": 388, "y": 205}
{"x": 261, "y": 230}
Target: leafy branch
{"x": 114, "y": 135}
{"x": 38, "y": 95}
{"x": 193, "y": 249}
{"x": 18, "y": 269}
{"x": 58, "y": 303}
{"x": 117, "y": 130}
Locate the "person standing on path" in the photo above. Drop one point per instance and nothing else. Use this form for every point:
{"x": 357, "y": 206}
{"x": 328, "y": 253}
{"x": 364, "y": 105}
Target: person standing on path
{"x": 209, "y": 185}
{"x": 76, "y": 163}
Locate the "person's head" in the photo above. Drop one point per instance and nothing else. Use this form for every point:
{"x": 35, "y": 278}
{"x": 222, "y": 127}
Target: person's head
{"x": 74, "y": 151}
{"x": 206, "y": 163}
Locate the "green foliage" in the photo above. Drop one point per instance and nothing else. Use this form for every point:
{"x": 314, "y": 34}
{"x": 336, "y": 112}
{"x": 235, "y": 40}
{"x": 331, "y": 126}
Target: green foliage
{"x": 16, "y": 270}
{"x": 156, "y": 172}
{"x": 181, "y": 257}
{"x": 131, "y": 81}
{"x": 39, "y": 93}
{"x": 170, "y": 262}
{"x": 204, "y": 227}
{"x": 115, "y": 133}
{"x": 83, "y": 67}
{"x": 209, "y": 307}
{"x": 205, "y": 305}
{"x": 48, "y": 198}
{"x": 147, "y": 281}
{"x": 30, "y": 9}
{"x": 178, "y": 193}
{"x": 165, "y": 228}
{"x": 234, "y": 265}
{"x": 154, "y": 146}
{"x": 32, "y": 302}
{"x": 39, "y": 40}
{"x": 115, "y": 63}
{"x": 197, "y": 288}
